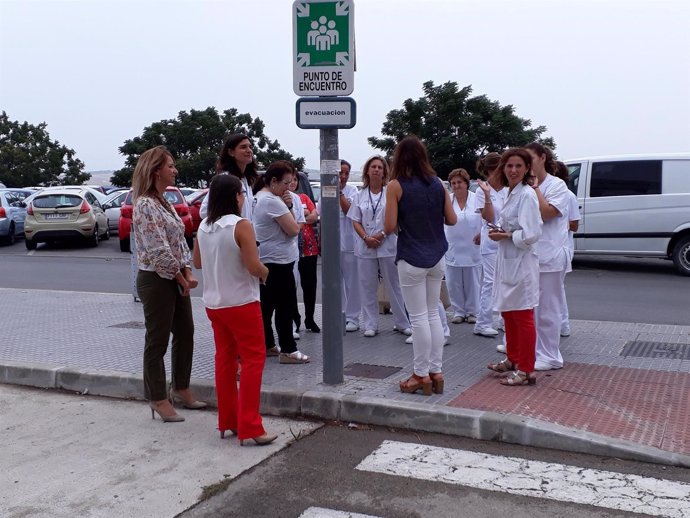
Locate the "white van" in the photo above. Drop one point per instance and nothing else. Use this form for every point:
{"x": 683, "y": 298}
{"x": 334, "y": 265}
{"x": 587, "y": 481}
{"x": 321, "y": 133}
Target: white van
{"x": 634, "y": 205}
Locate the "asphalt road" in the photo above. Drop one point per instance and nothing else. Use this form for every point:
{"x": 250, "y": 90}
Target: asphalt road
{"x": 320, "y": 471}
{"x": 599, "y": 288}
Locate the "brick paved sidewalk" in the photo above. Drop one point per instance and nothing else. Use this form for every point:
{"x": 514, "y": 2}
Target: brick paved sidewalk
{"x": 622, "y": 381}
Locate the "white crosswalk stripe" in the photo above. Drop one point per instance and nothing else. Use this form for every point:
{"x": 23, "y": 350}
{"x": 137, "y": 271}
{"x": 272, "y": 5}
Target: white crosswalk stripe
{"x": 552, "y": 481}
{"x": 321, "y": 512}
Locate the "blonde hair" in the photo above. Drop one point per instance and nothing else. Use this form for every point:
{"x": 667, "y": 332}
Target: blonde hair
{"x": 365, "y": 170}
{"x": 144, "y": 179}
{"x": 461, "y": 173}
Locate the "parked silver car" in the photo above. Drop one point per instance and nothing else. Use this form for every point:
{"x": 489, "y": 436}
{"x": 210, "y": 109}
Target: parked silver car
{"x": 12, "y": 216}
{"x": 112, "y": 206}
{"x": 62, "y": 214}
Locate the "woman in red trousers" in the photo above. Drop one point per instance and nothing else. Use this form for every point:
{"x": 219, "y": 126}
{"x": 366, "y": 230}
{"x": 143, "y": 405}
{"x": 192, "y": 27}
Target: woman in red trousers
{"x": 226, "y": 247}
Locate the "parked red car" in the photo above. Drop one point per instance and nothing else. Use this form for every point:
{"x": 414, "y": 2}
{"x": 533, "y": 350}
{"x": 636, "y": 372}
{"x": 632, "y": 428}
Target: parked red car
{"x": 174, "y": 196}
{"x": 195, "y": 200}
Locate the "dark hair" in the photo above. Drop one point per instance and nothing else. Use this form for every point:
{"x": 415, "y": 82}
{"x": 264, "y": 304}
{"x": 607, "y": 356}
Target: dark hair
{"x": 410, "y": 159}
{"x": 275, "y": 171}
{"x": 222, "y": 197}
{"x": 345, "y": 162}
{"x": 227, "y": 163}
{"x": 561, "y": 171}
{"x": 519, "y": 152}
{"x": 539, "y": 149}
{"x": 487, "y": 164}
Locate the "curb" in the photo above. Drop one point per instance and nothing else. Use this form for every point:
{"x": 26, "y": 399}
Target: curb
{"x": 330, "y": 405}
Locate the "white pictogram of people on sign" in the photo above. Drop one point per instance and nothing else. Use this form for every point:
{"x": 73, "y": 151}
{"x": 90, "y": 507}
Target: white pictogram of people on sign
{"x": 323, "y": 34}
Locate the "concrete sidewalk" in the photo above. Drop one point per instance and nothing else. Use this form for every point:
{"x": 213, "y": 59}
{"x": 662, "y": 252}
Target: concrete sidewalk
{"x": 623, "y": 392}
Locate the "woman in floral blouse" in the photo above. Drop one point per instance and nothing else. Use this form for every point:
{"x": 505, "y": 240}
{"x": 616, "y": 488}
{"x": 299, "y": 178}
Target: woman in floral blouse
{"x": 163, "y": 284}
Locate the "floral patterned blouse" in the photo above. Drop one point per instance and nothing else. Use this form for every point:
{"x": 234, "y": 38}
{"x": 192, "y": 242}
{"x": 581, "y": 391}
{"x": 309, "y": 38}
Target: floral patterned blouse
{"x": 159, "y": 237}
{"x": 309, "y": 241}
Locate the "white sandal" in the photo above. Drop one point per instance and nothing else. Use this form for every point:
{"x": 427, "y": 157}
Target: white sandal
{"x": 296, "y": 357}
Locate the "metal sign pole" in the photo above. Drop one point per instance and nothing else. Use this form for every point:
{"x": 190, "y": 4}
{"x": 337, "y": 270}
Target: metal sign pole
{"x": 331, "y": 284}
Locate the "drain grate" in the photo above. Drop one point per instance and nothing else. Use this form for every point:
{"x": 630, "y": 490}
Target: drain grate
{"x": 130, "y": 325}
{"x": 364, "y": 370}
{"x": 661, "y": 350}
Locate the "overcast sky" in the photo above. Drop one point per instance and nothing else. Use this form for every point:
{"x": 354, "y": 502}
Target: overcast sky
{"x": 605, "y": 77}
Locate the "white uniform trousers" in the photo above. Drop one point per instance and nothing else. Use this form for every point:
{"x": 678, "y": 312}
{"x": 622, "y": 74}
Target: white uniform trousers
{"x": 352, "y": 304}
{"x": 463, "y": 289}
{"x": 565, "y": 317}
{"x": 485, "y": 318}
{"x": 368, "y": 284}
{"x": 548, "y": 316}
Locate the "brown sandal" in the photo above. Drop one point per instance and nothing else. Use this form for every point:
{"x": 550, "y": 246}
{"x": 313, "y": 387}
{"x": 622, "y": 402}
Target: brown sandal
{"x": 415, "y": 383}
{"x": 518, "y": 378}
{"x": 436, "y": 382}
{"x": 502, "y": 366}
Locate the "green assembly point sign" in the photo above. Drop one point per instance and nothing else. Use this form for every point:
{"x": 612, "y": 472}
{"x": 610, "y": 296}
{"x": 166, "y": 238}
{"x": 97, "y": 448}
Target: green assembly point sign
{"x": 323, "y": 45}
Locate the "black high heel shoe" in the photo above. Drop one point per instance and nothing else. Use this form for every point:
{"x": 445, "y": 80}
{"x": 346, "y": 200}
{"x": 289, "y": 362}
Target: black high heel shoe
{"x": 311, "y": 326}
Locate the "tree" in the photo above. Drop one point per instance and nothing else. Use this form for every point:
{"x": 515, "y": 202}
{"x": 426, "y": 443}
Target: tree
{"x": 29, "y": 157}
{"x": 456, "y": 128}
{"x": 194, "y": 139}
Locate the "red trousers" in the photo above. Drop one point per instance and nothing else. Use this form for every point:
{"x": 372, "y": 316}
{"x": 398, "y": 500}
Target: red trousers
{"x": 239, "y": 331}
{"x": 521, "y": 338}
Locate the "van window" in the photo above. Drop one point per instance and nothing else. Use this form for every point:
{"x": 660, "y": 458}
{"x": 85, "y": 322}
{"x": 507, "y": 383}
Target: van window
{"x": 574, "y": 177}
{"x": 625, "y": 178}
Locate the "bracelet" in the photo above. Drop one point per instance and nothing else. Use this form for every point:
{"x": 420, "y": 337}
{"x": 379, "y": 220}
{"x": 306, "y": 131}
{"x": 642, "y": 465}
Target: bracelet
{"x": 364, "y": 237}
{"x": 488, "y": 202}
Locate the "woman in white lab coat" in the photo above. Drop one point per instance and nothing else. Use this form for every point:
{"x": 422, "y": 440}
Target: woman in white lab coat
{"x": 516, "y": 282}
{"x": 375, "y": 251}
{"x": 463, "y": 261}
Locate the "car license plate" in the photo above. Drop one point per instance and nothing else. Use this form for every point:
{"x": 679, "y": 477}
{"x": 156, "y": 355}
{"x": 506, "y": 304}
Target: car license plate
{"x": 56, "y": 215}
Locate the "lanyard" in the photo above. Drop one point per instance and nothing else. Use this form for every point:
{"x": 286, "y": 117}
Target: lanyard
{"x": 374, "y": 207}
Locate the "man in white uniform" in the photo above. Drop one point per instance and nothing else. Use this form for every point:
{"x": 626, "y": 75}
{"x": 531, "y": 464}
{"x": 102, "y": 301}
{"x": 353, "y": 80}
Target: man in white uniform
{"x": 554, "y": 260}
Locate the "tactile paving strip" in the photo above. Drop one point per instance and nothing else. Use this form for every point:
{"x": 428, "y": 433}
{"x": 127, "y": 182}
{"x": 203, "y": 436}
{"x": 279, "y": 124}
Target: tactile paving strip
{"x": 665, "y": 350}
{"x": 645, "y": 406}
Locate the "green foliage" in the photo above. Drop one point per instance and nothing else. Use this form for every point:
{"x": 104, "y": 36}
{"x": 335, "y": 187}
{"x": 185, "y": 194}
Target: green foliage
{"x": 456, "y": 128}
{"x": 28, "y": 157}
{"x": 194, "y": 139}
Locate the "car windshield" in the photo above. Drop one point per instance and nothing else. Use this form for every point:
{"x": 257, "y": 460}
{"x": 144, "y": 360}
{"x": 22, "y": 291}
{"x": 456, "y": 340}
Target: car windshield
{"x": 57, "y": 201}
{"x": 174, "y": 197}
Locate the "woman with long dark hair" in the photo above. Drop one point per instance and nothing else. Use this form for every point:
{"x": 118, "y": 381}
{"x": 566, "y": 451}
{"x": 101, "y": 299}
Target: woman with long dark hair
{"x": 417, "y": 206}
{"x": 236, "y": 158}
{"x": 277, "y": 231}
{"x": 554, "y": 256}
{"x": 226, "y": 247}
{"x": 516, "y": 283}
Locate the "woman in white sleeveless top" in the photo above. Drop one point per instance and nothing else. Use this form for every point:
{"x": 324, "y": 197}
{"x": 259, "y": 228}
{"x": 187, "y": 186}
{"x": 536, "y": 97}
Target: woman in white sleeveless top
{"x": 226, "y": 247}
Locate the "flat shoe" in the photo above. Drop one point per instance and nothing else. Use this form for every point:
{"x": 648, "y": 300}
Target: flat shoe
{"x": 296, "y": 357}
{"x": 273, "y": 351}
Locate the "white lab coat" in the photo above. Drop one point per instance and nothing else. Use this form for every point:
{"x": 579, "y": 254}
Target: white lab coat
{"x": 553, "y": 248}
{"x": 516, "y": 284}
{"x": 368, "y": 210}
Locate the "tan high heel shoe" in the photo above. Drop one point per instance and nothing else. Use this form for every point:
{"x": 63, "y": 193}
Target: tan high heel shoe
{"x": 176, "y": 397}
{"x": 261, "y": 440}
{"x": 436, "y": 382}
{"x": 174, "y": 418}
